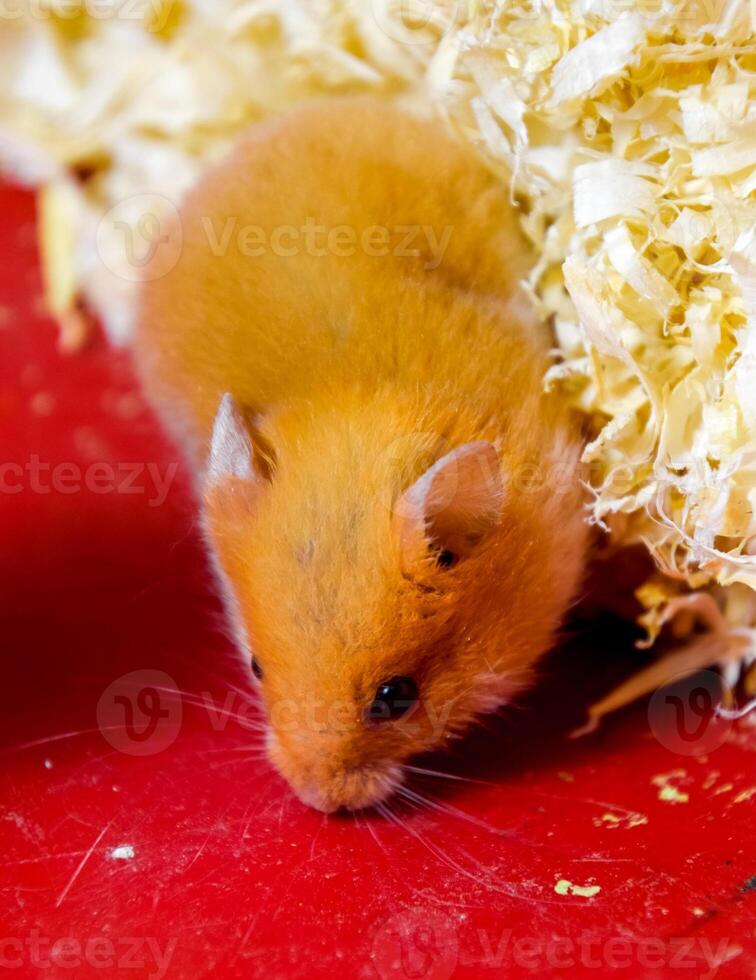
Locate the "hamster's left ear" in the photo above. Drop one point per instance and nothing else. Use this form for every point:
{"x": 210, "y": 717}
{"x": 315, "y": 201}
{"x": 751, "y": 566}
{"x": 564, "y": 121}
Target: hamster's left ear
{"x": 452, "y": 506}
{"x": 237, "y": 449}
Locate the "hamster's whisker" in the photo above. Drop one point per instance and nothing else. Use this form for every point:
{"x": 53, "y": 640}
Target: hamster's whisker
{"x": 407, "y": 800}
{"x": 374, "y": 834}
{"x": 284, "y": 805}
{"x": 249, "y": 697}
{"x": 249, "y": 820}
{"x": 442, "y": 856}
{"x": 202, "y": 701}
{"x": 252, "y": 748}
{"x": 440, "y": 807}
{"x": 419, "y": 771}
{"x": 60, "y": 737}
{"x": 235, "y": 762}
{"x": 202, "y": 697}
{"x": 387, "y": 813}
{"x": 255, "y": 749}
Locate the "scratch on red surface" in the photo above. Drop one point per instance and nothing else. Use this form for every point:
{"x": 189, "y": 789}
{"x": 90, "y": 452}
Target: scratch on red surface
{"x": 82, "y": 864}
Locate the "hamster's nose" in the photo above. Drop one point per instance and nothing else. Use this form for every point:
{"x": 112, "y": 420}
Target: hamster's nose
{"x": 355, "y": 789}
{"x": 324, "y": 783}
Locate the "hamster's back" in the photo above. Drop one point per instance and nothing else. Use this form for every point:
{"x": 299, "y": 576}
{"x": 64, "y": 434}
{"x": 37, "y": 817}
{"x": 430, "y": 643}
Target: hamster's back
{"x": 346, "y": 241}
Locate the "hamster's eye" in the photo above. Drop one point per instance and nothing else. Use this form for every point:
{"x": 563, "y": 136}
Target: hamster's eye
{"x": 393, "y": 698}
{"x": 446, "y": 558}
{"x": 256, "y": 669}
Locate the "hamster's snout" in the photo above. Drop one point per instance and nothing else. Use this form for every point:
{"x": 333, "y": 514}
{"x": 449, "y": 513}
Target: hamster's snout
{"x": 327, "y": 783}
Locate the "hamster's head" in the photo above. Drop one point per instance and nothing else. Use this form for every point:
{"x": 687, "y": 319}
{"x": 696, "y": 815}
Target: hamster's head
{"x": 386, "y": 591}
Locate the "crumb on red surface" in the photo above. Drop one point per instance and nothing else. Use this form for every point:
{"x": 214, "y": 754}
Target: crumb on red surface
{"x": 173, "y": 850}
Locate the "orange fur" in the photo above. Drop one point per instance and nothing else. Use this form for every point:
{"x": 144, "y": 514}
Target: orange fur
{"x": 355, "y": 373}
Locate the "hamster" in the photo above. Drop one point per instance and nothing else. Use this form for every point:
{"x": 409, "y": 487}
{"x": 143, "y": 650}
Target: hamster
{"x": 392, "y": 503}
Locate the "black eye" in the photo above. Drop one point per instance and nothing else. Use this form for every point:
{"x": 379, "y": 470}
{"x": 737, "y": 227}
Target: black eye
{"x": 393, "y": 698}
{"x": 446, "y": 558}
{"x": 256, "y": 669}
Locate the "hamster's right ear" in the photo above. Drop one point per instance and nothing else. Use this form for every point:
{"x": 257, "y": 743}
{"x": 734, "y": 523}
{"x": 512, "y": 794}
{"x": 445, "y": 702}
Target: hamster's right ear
{"x": 453, "y": 505}
{"x": 237, "y": 450}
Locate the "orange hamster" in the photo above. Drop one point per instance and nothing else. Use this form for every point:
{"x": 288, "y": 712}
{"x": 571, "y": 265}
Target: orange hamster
{"x": 392, "y": 503}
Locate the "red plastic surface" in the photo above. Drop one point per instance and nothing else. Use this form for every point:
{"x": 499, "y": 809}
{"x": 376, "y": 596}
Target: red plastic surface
{"x": 175, "y": 851}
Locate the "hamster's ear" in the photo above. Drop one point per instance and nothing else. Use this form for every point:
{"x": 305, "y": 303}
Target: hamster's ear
{"x": 454, "y": 503}
{"x": 236, "y": 449}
